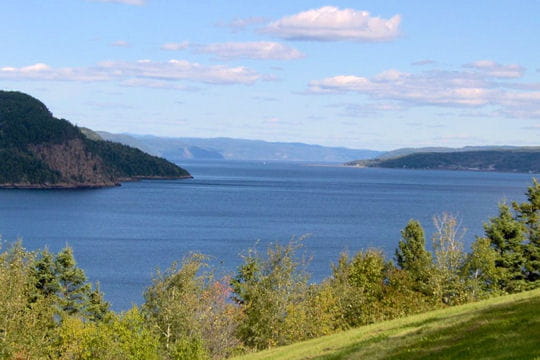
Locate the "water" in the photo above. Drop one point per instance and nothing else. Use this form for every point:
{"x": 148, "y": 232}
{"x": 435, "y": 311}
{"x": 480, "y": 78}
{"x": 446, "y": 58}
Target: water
{"x": 121, "y": 235}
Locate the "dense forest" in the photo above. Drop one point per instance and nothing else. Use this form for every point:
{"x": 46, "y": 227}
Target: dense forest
{"x": 49, "y": 310}
{"x": 39, "y": 150}
{"x": 515, "y": 160}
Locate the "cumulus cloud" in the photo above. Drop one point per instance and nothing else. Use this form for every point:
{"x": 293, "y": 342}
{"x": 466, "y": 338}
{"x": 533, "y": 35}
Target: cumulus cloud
{"x": 330, "y": 23}
{"x": 474, "y": 88}
{"x": 494, "y": 69}
{"x": 127, "y": 2}
{"x": 169, "y": 71}
{"x": 262, "y": 50}
{"x": 175, "y": 46}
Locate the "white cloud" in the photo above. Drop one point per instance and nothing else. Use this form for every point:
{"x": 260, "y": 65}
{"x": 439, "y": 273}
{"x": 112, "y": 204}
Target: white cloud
{"x": 493, "y": 69}
{"x": 330, "y": 23}
{"x": 251, "y": 50}
{"x": 127, "y": 2}
{"x": 168, "y": 71}
{"x": 474, "y": 88}
{"x": 175, "y": 46}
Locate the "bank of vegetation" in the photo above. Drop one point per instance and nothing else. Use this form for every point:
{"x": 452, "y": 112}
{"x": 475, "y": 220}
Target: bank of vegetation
{"x": 48, "y": 309}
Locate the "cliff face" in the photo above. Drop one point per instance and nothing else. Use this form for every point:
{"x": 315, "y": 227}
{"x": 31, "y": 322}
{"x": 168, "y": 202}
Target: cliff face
{"x": 75, "y": 163}
{"x": 40, "y": 151}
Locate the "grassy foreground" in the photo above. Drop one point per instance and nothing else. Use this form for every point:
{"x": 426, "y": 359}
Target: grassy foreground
{"x": 506, "y": 327}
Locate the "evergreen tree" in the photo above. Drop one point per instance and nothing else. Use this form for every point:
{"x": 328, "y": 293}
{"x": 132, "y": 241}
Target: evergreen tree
{"x": 528, "y": 213}
{"x": 507, "y": 237}
{"x": 412, "y": 256}
{"x": 57, "y": 278}
{"x": 480, "y": 268}
{"x": 44, "y": 272}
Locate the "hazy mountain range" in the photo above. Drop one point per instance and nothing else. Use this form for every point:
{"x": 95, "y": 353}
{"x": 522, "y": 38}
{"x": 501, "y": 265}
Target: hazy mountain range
{"x": 178, "y": 149}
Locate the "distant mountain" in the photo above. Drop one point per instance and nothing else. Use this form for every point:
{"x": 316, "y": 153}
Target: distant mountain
{"x": 38, "y": 150}
{"x": 178, "y": 149}
{"x": 515, "y": 160}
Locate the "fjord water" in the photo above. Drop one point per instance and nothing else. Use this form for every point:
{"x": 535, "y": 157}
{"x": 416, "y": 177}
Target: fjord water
{"x": 121, "y": 235}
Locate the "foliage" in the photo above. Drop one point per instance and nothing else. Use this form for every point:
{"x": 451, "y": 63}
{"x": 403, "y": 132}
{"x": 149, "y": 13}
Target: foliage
{"x": 412, "y": 256}
{"x": 58, "y": 277}
{"x": 190, "y": 312}
{"x": 481, "y": 270}
{"x": 268, "y": 289}
{"x": 507, "y": 238}
{"x": 25, "y": 323}
{"x": 528, "y": 214}
{"x": 122, "y": 337}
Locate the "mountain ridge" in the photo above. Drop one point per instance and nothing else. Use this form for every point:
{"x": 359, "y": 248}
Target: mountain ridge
{"x": 226, "y": 148}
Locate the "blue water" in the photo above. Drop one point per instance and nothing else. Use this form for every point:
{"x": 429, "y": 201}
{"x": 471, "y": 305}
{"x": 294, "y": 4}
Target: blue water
{"x": 121, "y": 235}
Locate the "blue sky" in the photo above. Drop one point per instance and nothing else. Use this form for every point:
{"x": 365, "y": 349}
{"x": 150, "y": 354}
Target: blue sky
{"x": 360, "y": 74}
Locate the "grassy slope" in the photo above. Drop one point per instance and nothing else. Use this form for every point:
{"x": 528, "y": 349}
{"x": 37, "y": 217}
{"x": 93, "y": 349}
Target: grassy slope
{"x": 506, "y": 327}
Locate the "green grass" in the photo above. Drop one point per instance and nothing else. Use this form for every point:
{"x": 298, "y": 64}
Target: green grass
{"x": 506, "y": 327}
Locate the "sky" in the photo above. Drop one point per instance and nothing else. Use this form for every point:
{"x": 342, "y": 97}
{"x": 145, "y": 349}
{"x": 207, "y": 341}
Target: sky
{"x": 360, "y": 74}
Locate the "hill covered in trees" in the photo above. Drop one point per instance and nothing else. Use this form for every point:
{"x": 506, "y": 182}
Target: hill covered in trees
{"x": 511, "y": 160}
{"x": 38, "y": 150}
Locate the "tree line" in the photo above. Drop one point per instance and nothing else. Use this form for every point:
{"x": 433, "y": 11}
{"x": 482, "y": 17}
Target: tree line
{"x": 49, "y": 310}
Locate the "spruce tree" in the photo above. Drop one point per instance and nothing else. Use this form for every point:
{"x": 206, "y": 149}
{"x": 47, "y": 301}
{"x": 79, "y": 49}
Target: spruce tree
{"x": 528, "y": 213}
{"x": 412, "y": 256}
{"x": 507, "y": 236}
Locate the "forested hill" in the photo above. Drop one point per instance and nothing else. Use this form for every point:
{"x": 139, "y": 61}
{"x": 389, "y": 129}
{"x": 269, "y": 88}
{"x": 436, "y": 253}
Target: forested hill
{"x": 517, "y": 160}
{"x": 38, "y": 150}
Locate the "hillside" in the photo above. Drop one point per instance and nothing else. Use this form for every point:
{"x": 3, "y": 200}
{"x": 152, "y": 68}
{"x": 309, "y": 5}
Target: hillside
{"x": 183, "y": 148}
{"x": 517, "y": 160}
{"x": 506, "y": 327}
{"x": 439, "y": 149}
{"x": 38, "y": 150}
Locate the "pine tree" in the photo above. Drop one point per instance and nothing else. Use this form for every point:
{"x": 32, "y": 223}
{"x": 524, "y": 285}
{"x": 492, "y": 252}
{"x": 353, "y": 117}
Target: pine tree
{"x": 57, "y": 278}
{"x": 412, "y": 256}
{"x": 528, "y": 213}
{"x": 507, "y": 237}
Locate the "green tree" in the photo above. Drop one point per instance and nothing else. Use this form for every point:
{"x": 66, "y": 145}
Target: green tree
{"x": 412, "y": 256}
{"x": 507, "y": 237}
{"x": 528, "y": 213}
{"x": 359, "y": 284}
{"x": 267, "y": 287}
{"x": 481, "y": 270}
{"x": 26, "y": 323}
{"x": 58, "y": 278}
{"x": 172, "y": 308}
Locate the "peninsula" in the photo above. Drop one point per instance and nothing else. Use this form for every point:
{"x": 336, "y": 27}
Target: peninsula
{"x": 39, "y": 151}
{"x": 516, "y": 159}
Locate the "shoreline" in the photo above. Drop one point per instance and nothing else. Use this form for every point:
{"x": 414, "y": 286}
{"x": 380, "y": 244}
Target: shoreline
{"x": 75, "y": 186}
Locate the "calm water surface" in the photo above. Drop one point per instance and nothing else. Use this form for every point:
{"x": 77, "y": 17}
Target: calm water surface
{"x": 121, "y": 235}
